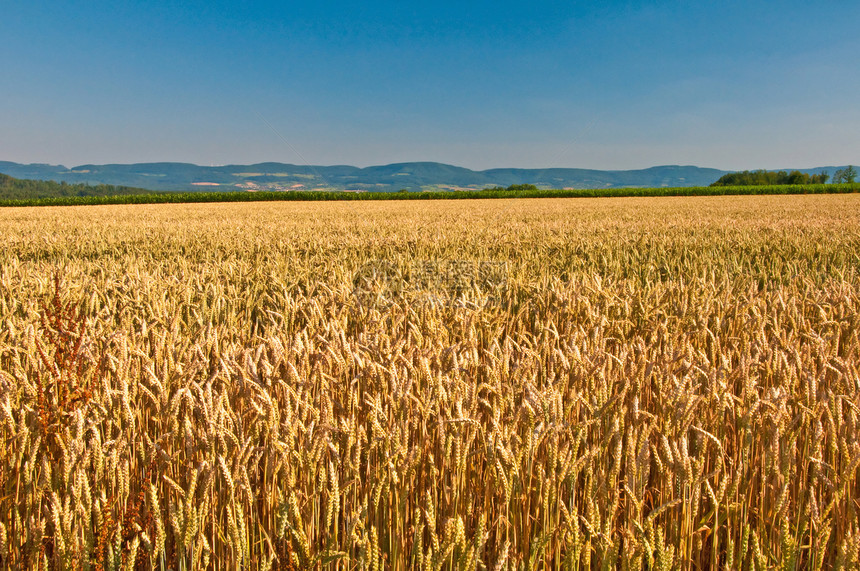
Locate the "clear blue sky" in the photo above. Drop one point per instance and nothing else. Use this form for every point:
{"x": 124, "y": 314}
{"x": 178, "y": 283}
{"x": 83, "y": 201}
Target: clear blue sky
{"x": 727, "y": 84}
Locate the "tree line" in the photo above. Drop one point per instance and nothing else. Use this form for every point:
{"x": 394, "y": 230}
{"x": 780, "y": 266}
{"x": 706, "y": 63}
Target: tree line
{"x": 513, "y": 187}
{"x": 16, "y": 189}
{"x": 763, "y": 177}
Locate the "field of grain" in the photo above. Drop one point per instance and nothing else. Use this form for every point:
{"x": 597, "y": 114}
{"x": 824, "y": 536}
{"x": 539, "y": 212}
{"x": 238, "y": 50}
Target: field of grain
{"x": 661, "y": 383}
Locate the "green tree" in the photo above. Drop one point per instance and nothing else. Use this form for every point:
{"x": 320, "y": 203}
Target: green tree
{"x": 796, "y": 177}
{"x": 845, "y": 176}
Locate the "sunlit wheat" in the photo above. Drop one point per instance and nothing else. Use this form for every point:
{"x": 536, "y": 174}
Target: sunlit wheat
{"x": 643, "y": 383}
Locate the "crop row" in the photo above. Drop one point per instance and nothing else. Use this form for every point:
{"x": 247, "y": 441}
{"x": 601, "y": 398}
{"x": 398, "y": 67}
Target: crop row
{"x": 203, "y": 197}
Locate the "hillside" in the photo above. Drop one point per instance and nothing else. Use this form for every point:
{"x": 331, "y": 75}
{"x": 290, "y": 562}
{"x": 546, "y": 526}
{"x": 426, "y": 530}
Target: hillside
{"x": 15, "y": 189}
{"x": 414, "y": 176}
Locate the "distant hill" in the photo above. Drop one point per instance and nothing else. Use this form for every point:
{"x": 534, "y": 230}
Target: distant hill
{"x": 15, "y": 189}
{"x": 412, "y": 176}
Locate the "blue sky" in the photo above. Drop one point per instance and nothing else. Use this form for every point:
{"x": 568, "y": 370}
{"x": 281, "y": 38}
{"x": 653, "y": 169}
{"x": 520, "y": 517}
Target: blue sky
{"x": 609, "y": 85}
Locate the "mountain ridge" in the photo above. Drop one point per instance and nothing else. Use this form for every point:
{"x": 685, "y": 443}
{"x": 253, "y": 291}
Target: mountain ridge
{"x": 419, "y": 175}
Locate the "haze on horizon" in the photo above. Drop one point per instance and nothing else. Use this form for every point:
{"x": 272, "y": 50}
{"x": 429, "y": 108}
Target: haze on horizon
{"x": 614, "y": 85}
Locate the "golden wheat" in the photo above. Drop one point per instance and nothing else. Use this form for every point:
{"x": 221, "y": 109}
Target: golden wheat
{"x": 513, "y": 384}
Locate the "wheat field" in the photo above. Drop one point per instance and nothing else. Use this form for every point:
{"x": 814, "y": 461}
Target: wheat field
{"x": 643, "y": 383}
